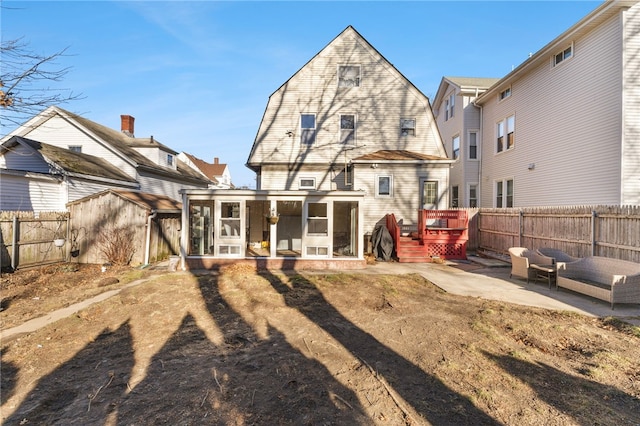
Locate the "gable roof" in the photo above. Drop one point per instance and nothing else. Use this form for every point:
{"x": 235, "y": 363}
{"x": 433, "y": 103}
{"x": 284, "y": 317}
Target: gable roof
{"x": 69, "y": 161}
{"x": 151, "y": 202}
{"x": 603, "y": 12}
{"x": 208, "y": 169}
{"x": 122, "y": 143}
{"x": 467, "y": 85}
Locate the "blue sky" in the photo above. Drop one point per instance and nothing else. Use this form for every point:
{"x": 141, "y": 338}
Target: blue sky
{"x": 197, "y": 75}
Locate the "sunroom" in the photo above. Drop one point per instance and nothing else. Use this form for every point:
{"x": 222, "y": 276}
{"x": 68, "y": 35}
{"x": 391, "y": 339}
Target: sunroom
{"x": 272, "y": 229}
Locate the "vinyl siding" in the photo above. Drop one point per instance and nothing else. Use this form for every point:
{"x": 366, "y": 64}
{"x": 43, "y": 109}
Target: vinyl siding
{"x": 567, "y": 123}
{"x": 23, "y": 158}
{"x": 383, "y": 98}
{"x": 631, "y": 81}
{"x": 31, "y": 193}
{"x": 59, "y": 132}
{"x": 405, "y": 199}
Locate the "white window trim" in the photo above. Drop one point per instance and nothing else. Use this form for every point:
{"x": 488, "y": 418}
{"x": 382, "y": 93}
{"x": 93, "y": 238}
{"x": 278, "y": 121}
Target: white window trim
{"x": 467, "y": 194}
{"x": 307, "y": 187}
{"x": 507, "y": 91}
{"x": 504, "y": 192}
{"x": 358, "y": 79}
{"x": 355, "y": 129}
{"x": 314, "y": 128}
{"x": 505, "y": 136}
{"x": 468, "y": 145}
{"x": 453, "y": 148}
{"x": 410, "y": 131}
{"x": 555, "y": 64}
{"x": 377, "y": 183}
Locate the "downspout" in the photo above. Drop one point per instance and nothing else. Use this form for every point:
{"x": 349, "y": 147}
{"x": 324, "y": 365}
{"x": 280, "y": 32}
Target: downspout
{"x": 153, "y": 214}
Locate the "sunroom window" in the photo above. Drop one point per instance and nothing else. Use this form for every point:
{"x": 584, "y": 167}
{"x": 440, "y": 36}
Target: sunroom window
{"x": 230, "y": 219}
{"x": 317, "y": 221}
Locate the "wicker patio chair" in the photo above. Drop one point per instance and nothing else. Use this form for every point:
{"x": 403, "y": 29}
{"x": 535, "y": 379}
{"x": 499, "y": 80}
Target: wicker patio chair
{"x": 521, "y": 260}
{"x": 558, "y": 255}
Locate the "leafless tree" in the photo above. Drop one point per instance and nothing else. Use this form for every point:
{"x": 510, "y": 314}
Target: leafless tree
{"x": 27, "y": 81}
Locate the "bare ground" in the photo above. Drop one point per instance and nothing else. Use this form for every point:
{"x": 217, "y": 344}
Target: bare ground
{"x": 237, "y": 347}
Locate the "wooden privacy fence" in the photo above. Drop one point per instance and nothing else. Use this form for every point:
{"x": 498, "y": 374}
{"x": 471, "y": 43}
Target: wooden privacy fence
{"x": 29, "y": 239}
{"x": 609, "y": 231}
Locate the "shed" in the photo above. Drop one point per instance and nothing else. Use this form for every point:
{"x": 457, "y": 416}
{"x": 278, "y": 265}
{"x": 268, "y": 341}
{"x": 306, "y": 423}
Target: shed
{"x": 151, "y": 221}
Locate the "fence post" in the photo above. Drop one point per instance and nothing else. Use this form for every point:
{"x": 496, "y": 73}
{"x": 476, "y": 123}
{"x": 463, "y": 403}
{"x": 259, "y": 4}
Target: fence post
{"x": 520, "y": 227}
{"x": 593, "y": 232}
{"x": 14, "y": 244}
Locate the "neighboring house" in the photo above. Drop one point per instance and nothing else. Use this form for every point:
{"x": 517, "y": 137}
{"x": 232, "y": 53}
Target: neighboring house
{"x": 154, "y": 166}
{"x": 459, "y": 124}
{"x": 217, "y": 172}
{"x": 346, "y": 140}
{"x": 40, "y": 177}
{"x": 563, "y": 128}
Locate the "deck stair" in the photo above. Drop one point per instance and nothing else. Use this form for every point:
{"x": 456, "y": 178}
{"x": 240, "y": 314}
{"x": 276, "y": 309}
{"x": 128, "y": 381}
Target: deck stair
{"x": 442, "y": 234}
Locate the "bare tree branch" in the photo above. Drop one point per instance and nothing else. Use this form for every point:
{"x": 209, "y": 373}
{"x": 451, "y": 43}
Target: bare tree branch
{"x": 26, "y": 82}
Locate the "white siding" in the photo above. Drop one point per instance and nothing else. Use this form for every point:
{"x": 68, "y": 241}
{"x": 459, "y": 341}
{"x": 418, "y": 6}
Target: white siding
{"x": 631, "y": 84}
{"x": 31, "y": 193}
{"x": 59, "y": 132}
{"x": 382, "y": 99}
{"x": 20, "y": 157}
{"x": 567, "y": 123}
{"x": 404, "y": 202}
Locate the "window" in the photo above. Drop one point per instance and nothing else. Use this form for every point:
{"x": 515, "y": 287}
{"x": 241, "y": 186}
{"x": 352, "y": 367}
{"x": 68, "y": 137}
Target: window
{"x": 455, "y": 142}
{"x": 511, "y": 121}
{"x": 349, "y": 76}
{"x": 384, "y": 185}
{"x": 560, "y": 57}
{"x": 348, "y": 129}
{"x": 169, "y": 160}
{"x": 504, "y": 193}
{"x": 505, "y": 93}
{"x": 408, "y": 127}
{"x": 455, "y": 201}
{"x": 449, "y": 106}
{"x": 307, "y": 183}
{"x": 317, "y": 223}
{"x": 509, "y": 124}
{"x": 473, "y": 195}
{"x": 230, "y": 219}
{"x": 318, "y": 251}
{"x": 75, "y": 148}
{"x": 307, "y": 129}
{"x": 473, "y": 146}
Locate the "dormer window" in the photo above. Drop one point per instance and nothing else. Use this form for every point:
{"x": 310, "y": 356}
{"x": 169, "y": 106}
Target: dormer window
{"x": 562, "y": 56}
{"x": 408, "y": 127}
{"x": 349, "y": 76}
{"x": 169, "y": 160}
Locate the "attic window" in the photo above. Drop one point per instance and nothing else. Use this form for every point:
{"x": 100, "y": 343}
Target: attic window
{"x": 563, "y": 56}
{"x": 169, "y": 160}
{"x": 408, "y": 127}
{"x": 505, "y": 93}
{"x": 349, "y": 76}
{"x": 75, "y": 148}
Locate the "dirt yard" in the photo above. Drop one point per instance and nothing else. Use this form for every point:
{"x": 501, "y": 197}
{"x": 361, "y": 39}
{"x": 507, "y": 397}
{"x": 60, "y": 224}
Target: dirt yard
{"x": 235, "y": 347}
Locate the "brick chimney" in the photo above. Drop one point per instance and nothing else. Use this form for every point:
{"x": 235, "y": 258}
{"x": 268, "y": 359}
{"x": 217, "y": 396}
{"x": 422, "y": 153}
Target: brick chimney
{"x": 126, "y": 124}
{"x": 216, "y": 160}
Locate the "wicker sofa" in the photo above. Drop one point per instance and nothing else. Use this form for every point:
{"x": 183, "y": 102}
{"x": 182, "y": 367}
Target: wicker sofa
{"x": 611, "y": 280}
{"x": 521, "y": 260}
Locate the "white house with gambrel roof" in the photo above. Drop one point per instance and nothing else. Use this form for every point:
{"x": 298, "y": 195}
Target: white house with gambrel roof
{"x": 563, "y": 128}
{"x": 321, "y": 127}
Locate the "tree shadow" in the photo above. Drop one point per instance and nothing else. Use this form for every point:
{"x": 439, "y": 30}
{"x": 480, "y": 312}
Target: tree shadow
{"x": 606, "y": 405}
{"x": 84, "y": 390}
{"x": 8, "y": 377}
{"x": 245, "y": 380}
{"x": 427, "y": 395}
